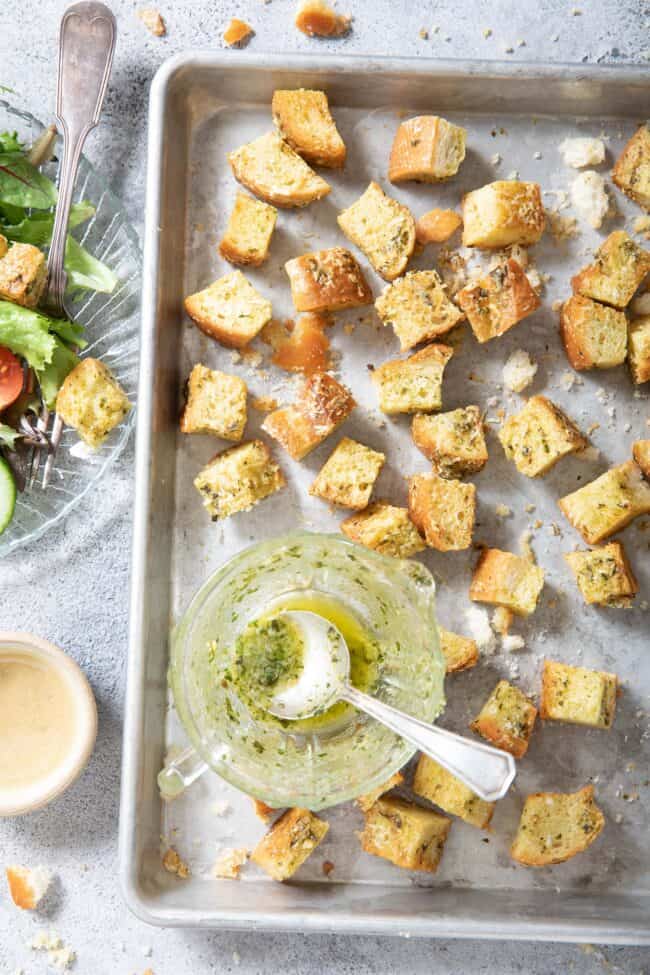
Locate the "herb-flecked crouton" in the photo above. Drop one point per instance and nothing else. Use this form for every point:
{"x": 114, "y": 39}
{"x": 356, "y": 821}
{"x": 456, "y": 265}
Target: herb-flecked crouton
{"x": 641, "y": 454}
{"x": 435, "y": 783}
{"x": 92, "y": 401}
{"x": 555, "y": 826}
{"x": 426, "y": 148}
{"x": 639, "y": 349}
{"x": 407, "y": 835}
{"x": 619, "y": 267}
{"x": 540, "y": 435}
{"x": 506, "y": 719}
{"x": 454, "y": 442}
{"x": 382, "y": 228}
{"x": 607, "y": 504}
{"x": 604, "y": 575}
{"x": 270, "y": 169}
{"x": 503, "y": 213}
{"x": 417, "y": 308}
{"x": 289, "y": 842}
{"x": 498, "y": 300}
{"x": 216, "y": 403}
{"x": 304, "y": 121}
{"x": 321, "y": 407}
{"x": 578, "y": 695}
{"x": 237, "y": 479}
{"x": 23, "y": 274}
{"x": 368, "y": 799}
{"x": 230, "y": 310}
{"x": 248, "y": 235}
{"x": 443, "y": 510}
{"x": 460, "y": 652}
{"x": 436, "y": 226}
{"x": 594, "y": 335}
{"x": 328, "y": 280}
{"x": 386, "y": 529}
{"x": 348, "y": 475}
{"x": 505, "y": 579}
{"x": 412, "y": 385}
{"x": 632, "y": 170}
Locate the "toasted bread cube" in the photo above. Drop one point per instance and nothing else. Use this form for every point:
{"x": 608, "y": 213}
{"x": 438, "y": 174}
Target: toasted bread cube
{"x": 289, "y": 842}
{"x": 435, "y": 783}
{"x": 216, "y": 403}
{"x": 230, "y": 310}
{"x": 578, "y": 695}
{"x": 555, "y": 826}
{"x": 426, "y": 148}
{"x": 641, "y": 454}
{"x": 454, "y": 442}
{"x": 460, "y": 652}
{"x": 604, "y": 575}
{"x": 370, "y": 798}
{"x": 508, "y": 580}
{"x": 503, "y": 213}
{"x": 327, "y": 280}
{"x": 348, "y": 475}
{"x": 248, "y": 235}
{"x": 417, "y": 308}
{"x": 407, "y": 835}
{"x": 23, "y": 274}
{"x": 619, "y": 268}
{"x": 382, "y": 228}
{"x": 632, "y": 170}
{"x": 594, "y": 335}
{"x": 91, "y": 401}
{"x": 443, "y": 510}
{"x": 639, "y": 349}
{"x": 270, "y": 169}
{"x": 607, "y": 504}
{"x": 238, "y": 478}
{"x": 304, "y": 121}
{"x": 436, "y": 226}
{"x": 540, "y": 435}
{"x": 498, "y": 300}
{"x": 412, "y": 385}
{"x": 28, "y": 885}
{"x": 386, "y": 529}
{"x": 506, "y": 719}
{"x": 320, "y": 408}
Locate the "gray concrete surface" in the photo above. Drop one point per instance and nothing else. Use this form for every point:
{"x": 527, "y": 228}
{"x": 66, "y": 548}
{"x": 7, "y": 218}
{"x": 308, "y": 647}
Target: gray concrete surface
{"x": 72, "y": 586}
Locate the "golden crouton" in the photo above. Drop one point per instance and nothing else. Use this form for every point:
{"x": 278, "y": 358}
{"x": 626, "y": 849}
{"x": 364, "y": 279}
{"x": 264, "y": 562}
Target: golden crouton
{"x": 370, "y": 798}
{"x": 454, "y": 442}
{"x": 594, "y": 335}
{"x": 460, "y": 652}
{"x": 632, "y": 170}
{"x": 639, "y": 349}
{"x": 604, "y": 575}
{"x": 248, "y": 235}
{"x": 417, "y": 308}
{"x": 28, "y": 885}
{"x": 407, "y": 835}
{"x": 540, "y": 435}
{"x": 270, "y": 169}
{"x": 607, "y": 504}
{"x": 304, "y": 121}
{"x": 412, "y": 385}
{"x": 504, "y": 579}
{"x": 230, "y": 310}
{"x": 386, "y": 529}
{"x": 436, "y": 226}
{"x": 327, "y": 280}
{"x": 435, "y": 783}
{"x": 426, "y": 148}
{"x": 506, "y": 719}
{"x": 503, "y": 213}
{"x": 91, "y": 401}
{"x": 289, "y": 842}
{"x": 216, "y": 403}
{"x": 236, "y": 479}
{"x": 382, "y": 228}
{"x": 641, "y": 454}
{"x": 23, "y": 274}
{"x": 443, "y": 510}
{"x": 498, "y": 300}
{"x": 618, "y": 269}
{"x": 348, "y": 475}
{"x": 577, "y": 695}
{"x": 555, "y": 826}
{"x": 320, "y": 408}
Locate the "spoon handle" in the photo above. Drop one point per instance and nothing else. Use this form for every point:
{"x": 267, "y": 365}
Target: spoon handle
{"x": 488, "y": 771}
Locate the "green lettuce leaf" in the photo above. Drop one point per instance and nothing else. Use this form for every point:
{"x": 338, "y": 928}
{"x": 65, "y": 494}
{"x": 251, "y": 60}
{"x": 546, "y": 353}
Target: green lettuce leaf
{"x": 9, "y": 142}
{"x": 85, "y": 271}
{"x": 51, "y": 377}
{"x": 23, "y": 185}
{"x": 27, "y": 334}
{"x": 37, "y": 227}
{"x": 8, "y": 436}
{"x": 72, "y": 333}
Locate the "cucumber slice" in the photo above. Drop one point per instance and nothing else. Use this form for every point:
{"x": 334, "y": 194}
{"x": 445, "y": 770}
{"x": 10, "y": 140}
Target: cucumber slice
{"x": 7, "y": 494}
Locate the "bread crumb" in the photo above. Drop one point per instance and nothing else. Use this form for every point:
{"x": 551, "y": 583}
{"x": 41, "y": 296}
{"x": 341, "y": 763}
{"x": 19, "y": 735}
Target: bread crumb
{"x": 519, "y": 371}
{"x": 28, "y": 886}
{"x": 173, "y": 863}
{"x": 503, "y": 511}
{"x": 512, "y": 642}
{"x": 525, "y": 546}
{"x": 221, "y": 807}
{"x": 236, "y": 32}
{"x": 153, "y": 21}
{"x": 59, "y": 955}
{"x": 478, "y": 624}
{"x": 487, "y": 32}
{"x": 327, "y": 867}
{"x": 495, "y": 158}
{"x": 230, "y": 862}
{"x": 582, "y": 151}
{"x": 561, "y": 227}
{"x": 589, "y": 197}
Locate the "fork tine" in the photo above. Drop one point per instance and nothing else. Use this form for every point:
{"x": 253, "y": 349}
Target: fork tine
{"x": 55, "y": 439}
{"x": 35, "y": 458}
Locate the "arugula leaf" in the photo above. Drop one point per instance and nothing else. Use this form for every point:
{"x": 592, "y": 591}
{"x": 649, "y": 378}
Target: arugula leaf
{"x": 85, "y": 271}
{"x": 22, "y": 184}
{"x": 8, "y": 436}
{"x": 51, "y": 377}
{"x": 27, "y": 334}
{"x": 37, "y": 227}
{"x": 9, "y": 142}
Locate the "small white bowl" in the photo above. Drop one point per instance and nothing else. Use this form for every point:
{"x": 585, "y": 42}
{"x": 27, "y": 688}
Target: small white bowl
{"x": 15, "y": 802}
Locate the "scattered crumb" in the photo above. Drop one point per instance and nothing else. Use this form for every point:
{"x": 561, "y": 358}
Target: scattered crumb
{"x": 589, "y": 197}
{"x": 495, "y": 159}
{"x": 152, "y": 20}
{"x": 501, "y": 620}
{"x": 582, "y": 151}
{"x": 230, "y": 862}
{"x": 561, "y": 227}
{"x": 263, "y": 811}
{"x": 264, "y": 404}
{"x": 221, "y": 807}
{"x": 59, "y": 955}
{"x": 478, "y": 624}
{"x": 503, "y": 511}
{"x": 327, "y": 867}
{"x": 315, "y": 18}
{"x": 509, "y": 50}
{"x": 172, "y": 863}
{"x": 236, "y": 32}
{"x": 519, "y": 371}
{"x": 424, "y": 33}
{"x": 512, "y": 642}
{"x": 487, "y": 32}
{"x": 530, "y": 507}
{"x": 525, "y": 546}
{"x": 521, "y": 42}
{"x": 28, "y": 885}
{"x": 556, "y": 530}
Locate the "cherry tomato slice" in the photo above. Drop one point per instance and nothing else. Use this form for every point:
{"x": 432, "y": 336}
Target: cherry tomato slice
{"x": 11, "y": 378}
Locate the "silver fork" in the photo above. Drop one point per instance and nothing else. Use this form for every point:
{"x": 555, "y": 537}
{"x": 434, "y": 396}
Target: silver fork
{"x": 86, "y": 47}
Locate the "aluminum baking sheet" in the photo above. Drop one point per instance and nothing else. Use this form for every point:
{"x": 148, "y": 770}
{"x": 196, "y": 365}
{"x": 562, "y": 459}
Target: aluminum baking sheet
{"x": 202, "y": 106}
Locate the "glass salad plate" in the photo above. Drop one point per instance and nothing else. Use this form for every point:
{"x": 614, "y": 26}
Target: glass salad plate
{"x": 111, "y": 322}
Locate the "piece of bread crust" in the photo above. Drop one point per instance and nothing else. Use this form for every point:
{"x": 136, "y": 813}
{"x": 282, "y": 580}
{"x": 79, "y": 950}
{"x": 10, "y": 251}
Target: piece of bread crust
{"x": 320, "y": 408}
{"x": 577, "y": 695}
{"x": 506, "y": 719}
{"x": 28, "y": 885}
{"x": 555, "y": 826}
{"x": 498, "y": 300}
{"x": 270, "y": 169}
{"x": 631, "y": 173}
{"x": 435, "y": 783}
{"x": 505, "y": 579}
{"x": 230, "y": 310}
{"x": 443, "y": 510}
{"x": 289, "y": 842}
{"x": 604, "y": 575}
{"x": 304, "y": 120}
{"x": 594, "y": 335}
{"x": 417, "y": 308}
{"x": 502, "y": 213}
{"x": 382, "y": 228}
{"x": 386, "y": 529}
{"x": 426, "y": 148}
{"x": 327, "y": 280}
{"x": 607, "y": 504}
{"x": 247, "y": 237}
{"x": 619, "y": 267}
